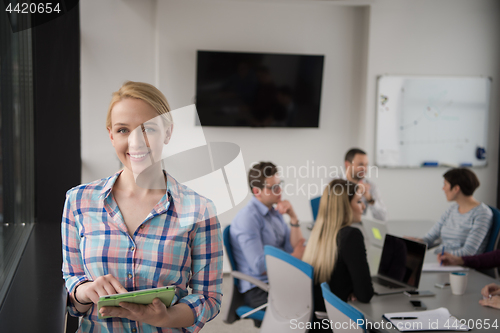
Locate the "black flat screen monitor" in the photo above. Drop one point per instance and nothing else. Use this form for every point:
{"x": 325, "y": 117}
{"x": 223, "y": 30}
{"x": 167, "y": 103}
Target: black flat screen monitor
{"x": 258, "y": 89}
{"x": 402, "y": 260}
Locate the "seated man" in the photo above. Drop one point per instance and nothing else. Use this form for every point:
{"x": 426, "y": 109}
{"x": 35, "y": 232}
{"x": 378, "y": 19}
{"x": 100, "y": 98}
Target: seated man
{"x": 356, "y": 163}
{"x": 259, "y": 224}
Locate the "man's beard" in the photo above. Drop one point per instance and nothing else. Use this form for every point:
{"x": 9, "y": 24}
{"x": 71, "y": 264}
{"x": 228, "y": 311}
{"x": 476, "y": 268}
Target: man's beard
{"x": 356, "y": 178}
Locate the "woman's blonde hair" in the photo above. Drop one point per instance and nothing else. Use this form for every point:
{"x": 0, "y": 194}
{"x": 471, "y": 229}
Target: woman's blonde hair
{"x": 334, "y": 213}
{"x": 143, "y": 91}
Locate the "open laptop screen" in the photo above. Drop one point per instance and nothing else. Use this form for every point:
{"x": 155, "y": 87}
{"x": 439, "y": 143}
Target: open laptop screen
{"x": 402, "y": 260}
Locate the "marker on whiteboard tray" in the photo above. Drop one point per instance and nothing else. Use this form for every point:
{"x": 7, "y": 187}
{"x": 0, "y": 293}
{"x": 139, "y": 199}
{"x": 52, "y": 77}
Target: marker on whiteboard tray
{"x": 430, "y": 164}
{"x": 465, "y": 165}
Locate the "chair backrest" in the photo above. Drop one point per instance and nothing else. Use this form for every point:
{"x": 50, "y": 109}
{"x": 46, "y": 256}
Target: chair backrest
{"x": 226, "y": 236}
{"x": 495, "y": 228}
{"x": 340, "y": 313}
{"x": 315, "y": 207}
{"x": 290, "y": 292}
{"x": 234, "y": 301}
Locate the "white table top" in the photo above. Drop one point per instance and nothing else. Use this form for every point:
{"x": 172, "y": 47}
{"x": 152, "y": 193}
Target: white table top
{"x": 463, "y": 307}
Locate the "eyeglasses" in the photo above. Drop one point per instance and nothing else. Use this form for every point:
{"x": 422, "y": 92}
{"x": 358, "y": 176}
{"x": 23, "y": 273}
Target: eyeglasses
{"x": 275, "y": 187}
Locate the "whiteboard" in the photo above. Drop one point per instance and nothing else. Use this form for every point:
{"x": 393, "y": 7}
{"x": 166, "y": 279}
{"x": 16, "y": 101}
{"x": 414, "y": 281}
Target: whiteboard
{"x": 432, "y": 120}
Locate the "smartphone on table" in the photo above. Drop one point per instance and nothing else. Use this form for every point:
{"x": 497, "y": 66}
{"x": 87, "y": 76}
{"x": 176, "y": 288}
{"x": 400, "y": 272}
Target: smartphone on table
{"x": 418, "y": 305}
{"x": 442, "y": 285}
{"x": 418, "y": 293}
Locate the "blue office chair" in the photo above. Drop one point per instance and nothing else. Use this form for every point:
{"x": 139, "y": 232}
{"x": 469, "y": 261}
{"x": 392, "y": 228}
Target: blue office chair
{"x": 341, "y": 313}
{"x": 315, "y": 207}
{"x": 290, "y": 293}
{"x": 235, "y": 307}
{"x": 495, "y": 228}
{"x": 494, "y": 242}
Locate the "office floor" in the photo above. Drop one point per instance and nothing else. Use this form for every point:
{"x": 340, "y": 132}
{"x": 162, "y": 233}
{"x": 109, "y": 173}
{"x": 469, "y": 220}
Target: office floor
{"x": 217, "y": 326}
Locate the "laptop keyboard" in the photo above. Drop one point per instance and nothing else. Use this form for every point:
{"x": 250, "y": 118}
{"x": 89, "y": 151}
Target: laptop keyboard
{"x": 386, "y": 283}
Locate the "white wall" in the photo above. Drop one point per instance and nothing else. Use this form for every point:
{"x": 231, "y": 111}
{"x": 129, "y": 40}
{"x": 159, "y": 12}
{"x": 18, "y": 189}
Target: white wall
{"x": 337, "y": 32}
{"x": 117, "y": 44}
{"x": 427, "y": 37}
{"x": 156, "y": 42}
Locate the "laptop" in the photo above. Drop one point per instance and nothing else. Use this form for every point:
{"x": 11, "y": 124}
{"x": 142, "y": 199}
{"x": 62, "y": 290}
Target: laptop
{"x": 400, "y": 266}
{"x": 375, "y": 231}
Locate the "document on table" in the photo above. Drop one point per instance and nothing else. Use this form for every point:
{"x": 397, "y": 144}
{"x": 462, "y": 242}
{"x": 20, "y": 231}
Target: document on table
{"x": 431, "y": 320}
{"x": 436, "y": 267}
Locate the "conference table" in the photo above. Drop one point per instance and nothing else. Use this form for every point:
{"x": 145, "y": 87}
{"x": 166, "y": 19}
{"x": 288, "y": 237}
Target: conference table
{"x": 464, "y": 307}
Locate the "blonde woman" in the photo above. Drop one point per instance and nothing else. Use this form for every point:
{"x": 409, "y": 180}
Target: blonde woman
{"x": 124, "y": 233}
{"x": 335, "y": 249}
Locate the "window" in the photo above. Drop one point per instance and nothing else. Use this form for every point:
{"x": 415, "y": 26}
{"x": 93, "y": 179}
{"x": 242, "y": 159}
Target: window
{"x": 16, "y": 145}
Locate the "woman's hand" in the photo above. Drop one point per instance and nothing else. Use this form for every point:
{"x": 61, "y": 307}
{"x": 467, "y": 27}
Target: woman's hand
{"x": 493, "y": 302}
{"x": 154, "y": 314}
{"x": 490, "y": 289}
{"x": 102, "y": 286}
{"x": 448, "y": 259}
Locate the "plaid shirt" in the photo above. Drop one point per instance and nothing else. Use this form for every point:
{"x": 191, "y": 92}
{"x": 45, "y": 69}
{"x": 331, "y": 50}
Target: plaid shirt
{"x": 179, "y": 243}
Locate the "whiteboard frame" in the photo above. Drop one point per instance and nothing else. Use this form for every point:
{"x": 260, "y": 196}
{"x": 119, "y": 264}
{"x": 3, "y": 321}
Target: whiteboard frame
{"x": 444, "y": 165}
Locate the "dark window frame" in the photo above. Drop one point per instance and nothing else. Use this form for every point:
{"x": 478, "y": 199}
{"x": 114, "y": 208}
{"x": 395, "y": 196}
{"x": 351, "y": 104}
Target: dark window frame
{"x": 17, "y": 145}
{"x": 37, "y": 287}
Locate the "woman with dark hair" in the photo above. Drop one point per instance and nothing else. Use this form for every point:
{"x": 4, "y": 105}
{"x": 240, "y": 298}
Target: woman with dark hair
{"x": 336, "y": 250}
{"x": 465, "y": 226}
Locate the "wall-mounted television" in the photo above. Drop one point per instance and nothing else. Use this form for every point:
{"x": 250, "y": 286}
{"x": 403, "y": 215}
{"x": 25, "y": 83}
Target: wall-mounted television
{"x": 258, "y": 89}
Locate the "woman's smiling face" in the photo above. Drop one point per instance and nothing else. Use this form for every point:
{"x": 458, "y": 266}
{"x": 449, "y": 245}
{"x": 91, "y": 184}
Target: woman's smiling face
{"x": 137, "y": 133}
